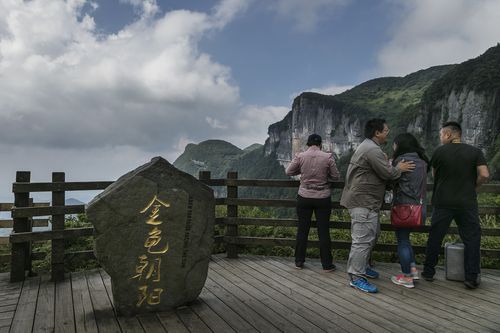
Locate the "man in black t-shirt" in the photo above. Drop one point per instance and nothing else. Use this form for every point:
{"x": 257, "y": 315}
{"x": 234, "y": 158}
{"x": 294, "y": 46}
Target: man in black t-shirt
{"x": 458, "y": 170}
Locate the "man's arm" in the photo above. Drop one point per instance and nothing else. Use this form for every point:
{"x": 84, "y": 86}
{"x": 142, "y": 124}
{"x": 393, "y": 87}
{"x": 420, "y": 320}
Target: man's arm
{"x": 294, "y": 167}
{"x": 333, "y": 172}
{"x": 482, "y": 175}
{"x": 383, "y": 169}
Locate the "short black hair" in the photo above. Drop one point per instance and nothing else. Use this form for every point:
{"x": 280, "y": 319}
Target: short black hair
{"x": 453, "y": 126}
{"x": 373, "y": 125}
{"x": 314, "y": 140}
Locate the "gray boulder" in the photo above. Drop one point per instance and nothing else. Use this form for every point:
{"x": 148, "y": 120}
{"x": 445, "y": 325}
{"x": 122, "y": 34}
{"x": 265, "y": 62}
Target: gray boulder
{"x": 154, "y": 237}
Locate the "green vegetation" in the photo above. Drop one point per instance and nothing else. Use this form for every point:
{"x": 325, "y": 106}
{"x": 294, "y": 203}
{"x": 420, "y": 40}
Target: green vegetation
{"x": 390, "y": 96}
{"x": 213, "y": 155}
{"x": 481, "y": 74}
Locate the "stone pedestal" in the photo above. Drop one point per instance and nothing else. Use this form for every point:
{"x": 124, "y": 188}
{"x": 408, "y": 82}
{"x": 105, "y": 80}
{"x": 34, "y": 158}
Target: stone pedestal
{"x": 154, "y": 237}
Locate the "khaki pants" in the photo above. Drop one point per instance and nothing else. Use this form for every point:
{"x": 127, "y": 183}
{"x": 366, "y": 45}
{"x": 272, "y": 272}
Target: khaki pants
{"x": 365, "y": 229}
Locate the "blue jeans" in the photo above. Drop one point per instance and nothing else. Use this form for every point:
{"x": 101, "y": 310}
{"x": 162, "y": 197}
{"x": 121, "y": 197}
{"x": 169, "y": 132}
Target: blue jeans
{"x": 405, "y": 251}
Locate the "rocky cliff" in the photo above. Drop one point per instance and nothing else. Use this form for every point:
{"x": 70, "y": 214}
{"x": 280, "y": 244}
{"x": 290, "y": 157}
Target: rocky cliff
{"x": 469, "y": 94}
{"x": 337, "y": 122}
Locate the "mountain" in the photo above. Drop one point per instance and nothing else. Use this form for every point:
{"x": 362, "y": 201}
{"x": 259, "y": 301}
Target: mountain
{"x": 73, "y": 201}
{"x": 219, "y": 157}
{"x": 213, "y": 155}
{"x": 418, "y": 103}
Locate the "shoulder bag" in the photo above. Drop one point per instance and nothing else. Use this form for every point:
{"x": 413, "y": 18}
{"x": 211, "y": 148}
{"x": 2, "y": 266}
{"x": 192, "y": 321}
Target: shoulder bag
{"x": 409, "y": 215}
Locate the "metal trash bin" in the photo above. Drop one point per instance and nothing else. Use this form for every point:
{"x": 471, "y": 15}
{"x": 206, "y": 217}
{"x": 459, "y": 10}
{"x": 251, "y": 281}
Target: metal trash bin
{"x": 454, "y": 261}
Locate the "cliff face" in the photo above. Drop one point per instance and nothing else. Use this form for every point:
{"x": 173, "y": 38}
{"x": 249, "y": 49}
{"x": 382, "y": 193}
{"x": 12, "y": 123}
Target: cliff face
{"x": 339, "y": 125}
{"x": 478, "y": 113}
{"x": 470, "y": 94}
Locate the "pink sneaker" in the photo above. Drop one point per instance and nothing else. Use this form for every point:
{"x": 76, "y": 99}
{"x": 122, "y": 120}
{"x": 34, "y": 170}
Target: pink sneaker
{"x": 405, "y": 281}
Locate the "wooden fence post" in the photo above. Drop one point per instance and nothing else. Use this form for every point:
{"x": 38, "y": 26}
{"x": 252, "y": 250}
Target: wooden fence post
{"x": 57, "y": 260}
{"x": 20, "y": 252}
{"x": 204, "y": 175}
{"x": 232, "y": 212}
{"x": 28, "y": 263}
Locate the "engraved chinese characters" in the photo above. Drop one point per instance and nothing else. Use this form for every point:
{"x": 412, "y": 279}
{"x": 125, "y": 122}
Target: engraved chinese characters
{"x": 148, "y": 269}
{"x": 154, "y": 234}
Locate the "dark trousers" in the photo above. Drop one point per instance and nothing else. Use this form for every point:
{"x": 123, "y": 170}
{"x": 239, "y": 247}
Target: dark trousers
{"x": 322, "y": 209}
{"x": 470, "y": 231}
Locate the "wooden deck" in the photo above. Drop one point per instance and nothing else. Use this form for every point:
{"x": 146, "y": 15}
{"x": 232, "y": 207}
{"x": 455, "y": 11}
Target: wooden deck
{"x": 259, "y": 294}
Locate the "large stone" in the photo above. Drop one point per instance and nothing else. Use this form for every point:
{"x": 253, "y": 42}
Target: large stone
{"x": 154, "y": 236}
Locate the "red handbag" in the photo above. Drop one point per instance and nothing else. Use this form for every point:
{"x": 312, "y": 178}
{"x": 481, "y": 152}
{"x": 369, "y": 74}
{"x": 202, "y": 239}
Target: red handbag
{"x": 406, "y": 216}
{"x": 409, "y": 215}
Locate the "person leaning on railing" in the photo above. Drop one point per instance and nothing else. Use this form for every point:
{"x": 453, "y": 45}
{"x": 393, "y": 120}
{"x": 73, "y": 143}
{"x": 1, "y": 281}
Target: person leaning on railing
{"x": 458, "y": 170}
{"x": 315, "y": 168}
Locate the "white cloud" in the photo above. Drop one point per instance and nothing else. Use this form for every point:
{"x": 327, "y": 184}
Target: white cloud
{"x": 326, "y": 90}
{"x": 214, "y": 123}
{"x": 330, "y": 90}
{"x": 63, "y": 85}
{"x": 226, "y": 10}
{"x": 430, "y": 33}
{"x": 72, "y": 99}
{"x": 253, "y": 122}
{"x": 306, "y": 15}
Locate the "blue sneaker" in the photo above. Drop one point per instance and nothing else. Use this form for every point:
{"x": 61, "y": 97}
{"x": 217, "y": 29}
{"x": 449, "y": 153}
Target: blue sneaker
{"x": 363, "y": 285}
{"x": 370, "y": 273}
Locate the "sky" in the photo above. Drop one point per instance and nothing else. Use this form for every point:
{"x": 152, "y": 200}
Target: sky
{"x": 96, "y": 88}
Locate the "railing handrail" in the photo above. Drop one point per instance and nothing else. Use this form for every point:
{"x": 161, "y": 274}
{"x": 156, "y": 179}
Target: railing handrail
{"x": 101, "y": 185}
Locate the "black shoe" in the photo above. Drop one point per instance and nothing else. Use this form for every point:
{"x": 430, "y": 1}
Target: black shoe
{"x": 299, "y": 265}
{"x": 427, "y": 276}
{"x": 329, "y": 269}
{"x": 471, "y": 284}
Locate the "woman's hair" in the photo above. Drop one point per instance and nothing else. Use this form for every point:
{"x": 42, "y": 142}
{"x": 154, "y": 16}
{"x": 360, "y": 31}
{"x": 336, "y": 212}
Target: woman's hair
{"x": 407, "y": 143}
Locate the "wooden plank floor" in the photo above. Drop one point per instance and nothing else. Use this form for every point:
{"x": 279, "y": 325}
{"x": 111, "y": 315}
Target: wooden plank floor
{"x": 259, "y": 294}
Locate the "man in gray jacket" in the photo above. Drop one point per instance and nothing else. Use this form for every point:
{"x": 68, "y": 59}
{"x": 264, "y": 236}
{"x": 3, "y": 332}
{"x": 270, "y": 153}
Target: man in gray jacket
{"x": 363, "y": 194}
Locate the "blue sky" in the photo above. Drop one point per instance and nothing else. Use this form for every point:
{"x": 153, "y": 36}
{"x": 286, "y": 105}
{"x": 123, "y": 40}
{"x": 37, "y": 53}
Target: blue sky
{"x": 98, "y": 87}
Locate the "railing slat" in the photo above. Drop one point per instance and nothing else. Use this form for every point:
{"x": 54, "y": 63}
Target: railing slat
{"x": 35, "y": 223}
{"x": 342, "y": 225}
{"x": 46, "y": 211}
{"x": 59, "y": 186}
{"x": 40, "y": 236}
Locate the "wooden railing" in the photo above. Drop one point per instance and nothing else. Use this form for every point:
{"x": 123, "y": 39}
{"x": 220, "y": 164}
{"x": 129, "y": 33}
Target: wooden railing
{"x": 23, "y": 211}
{"x": 232, "y": 221}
